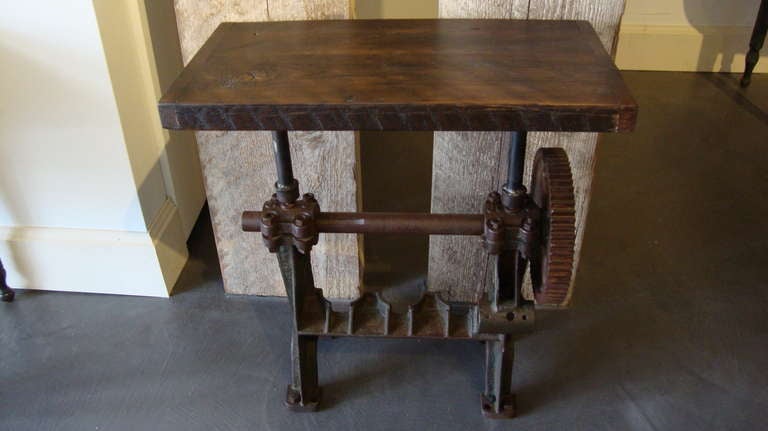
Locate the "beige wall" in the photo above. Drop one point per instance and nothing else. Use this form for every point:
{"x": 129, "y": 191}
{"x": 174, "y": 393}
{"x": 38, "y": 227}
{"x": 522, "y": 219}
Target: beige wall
{"x": 687, "y": 35}
{"x": 691, "y": 12}
{"x": 391, "y": 9}
{"x": 678, "y": 35}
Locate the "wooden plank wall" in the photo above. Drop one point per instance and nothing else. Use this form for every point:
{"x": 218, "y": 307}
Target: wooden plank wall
{"x": 466, "y": 166}
{"x": 239, "y": 170}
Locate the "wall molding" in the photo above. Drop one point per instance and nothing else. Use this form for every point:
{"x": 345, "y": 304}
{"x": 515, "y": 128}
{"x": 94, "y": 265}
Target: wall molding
{"x": 685, "y": 48}
{"x": 97, "y": 261}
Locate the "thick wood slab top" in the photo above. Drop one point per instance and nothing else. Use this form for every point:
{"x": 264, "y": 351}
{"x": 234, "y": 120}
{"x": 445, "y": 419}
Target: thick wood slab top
{"x": 401, "y": 75}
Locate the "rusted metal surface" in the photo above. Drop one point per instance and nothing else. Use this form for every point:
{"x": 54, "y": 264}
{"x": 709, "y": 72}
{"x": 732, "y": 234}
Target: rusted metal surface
{"x": 291, "y": 223}
{"x": 430, "y": 317}
{"x": 552, "y": 192}
{"x": 382, "y": 222}
{"x": 503, "y": 227}
{"x": 518, "y": 230}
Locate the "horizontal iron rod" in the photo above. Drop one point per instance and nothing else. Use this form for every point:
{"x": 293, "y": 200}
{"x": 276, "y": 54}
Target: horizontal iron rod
{"x": 382, "y": 222}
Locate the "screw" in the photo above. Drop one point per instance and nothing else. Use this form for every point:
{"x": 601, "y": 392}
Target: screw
{"x": 494, "y": 224}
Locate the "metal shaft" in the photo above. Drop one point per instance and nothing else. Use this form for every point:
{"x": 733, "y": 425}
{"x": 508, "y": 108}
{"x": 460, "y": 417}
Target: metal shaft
{"x": 287, "y": 187}
{"x": 396, "y": 223}
{"x": 282, "y": 153}
{"x": 516, "y": 161}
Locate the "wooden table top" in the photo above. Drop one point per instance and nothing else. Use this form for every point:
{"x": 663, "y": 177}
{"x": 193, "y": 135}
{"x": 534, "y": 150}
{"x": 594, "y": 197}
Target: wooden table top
{"x": 401, "y": 75}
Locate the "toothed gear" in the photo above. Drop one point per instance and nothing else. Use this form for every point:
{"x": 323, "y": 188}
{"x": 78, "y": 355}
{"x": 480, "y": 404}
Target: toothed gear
{"x": 552, "y": 191}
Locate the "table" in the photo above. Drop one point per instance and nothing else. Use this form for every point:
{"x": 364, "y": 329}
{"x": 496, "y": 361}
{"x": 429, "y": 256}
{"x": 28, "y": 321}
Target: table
{"x": 470, "y": 75}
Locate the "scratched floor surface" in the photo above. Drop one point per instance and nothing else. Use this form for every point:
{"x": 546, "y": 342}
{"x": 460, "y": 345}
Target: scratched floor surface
{"x": 668, "y": 329}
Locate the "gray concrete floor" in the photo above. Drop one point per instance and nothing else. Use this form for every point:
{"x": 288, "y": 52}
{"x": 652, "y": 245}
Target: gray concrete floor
{"x": 667, "y": 331}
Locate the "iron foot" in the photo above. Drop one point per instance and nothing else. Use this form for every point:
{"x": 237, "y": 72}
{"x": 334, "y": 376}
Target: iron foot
{"x": 508, "y": 407}
{"x": 294, "y": 401}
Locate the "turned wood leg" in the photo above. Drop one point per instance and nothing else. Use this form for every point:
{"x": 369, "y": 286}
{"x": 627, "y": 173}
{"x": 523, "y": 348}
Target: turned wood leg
{"x": 7, "y": 292}
{"x": 756, "y": 43}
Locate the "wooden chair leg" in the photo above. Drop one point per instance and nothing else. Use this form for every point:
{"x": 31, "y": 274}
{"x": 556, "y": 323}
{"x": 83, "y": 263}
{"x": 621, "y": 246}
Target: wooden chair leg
{"x": 7, "y": 292}
{"x": 756, "y": 43}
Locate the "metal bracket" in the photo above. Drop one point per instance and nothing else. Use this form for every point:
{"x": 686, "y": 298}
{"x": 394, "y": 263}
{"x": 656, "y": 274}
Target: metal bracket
{"x": 290, "y": 223}
{"x": 509, "y": 228}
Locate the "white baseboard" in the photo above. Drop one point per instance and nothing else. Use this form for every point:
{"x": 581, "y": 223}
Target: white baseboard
{"x": 685, "y": 48}
{"x": 97, "y": 261}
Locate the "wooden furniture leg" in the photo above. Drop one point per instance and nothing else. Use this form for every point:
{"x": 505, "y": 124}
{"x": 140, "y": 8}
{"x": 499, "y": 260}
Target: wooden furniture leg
{"x": 7, "y": 292}
{"x": 756, "y": 43}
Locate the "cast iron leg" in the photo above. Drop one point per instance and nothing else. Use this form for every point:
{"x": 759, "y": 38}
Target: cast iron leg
{"x": 8, "y": 293}
{"x": 296, "y": 268}
{"x": 303, "y": 392}
{"x": 498, "y": 401}
{"x": 756, "y": 43}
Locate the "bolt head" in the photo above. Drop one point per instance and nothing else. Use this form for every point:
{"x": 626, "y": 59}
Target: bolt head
{"x": 300, "y": 221}
{"x": 267, "y": 219}
{"x": 309, "y": 197}
{"x": 494, "y": 224}
{"x": 294, "y": 397}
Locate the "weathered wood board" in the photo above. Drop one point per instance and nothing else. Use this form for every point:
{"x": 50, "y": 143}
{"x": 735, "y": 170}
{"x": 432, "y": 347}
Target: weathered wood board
{"x": 239, "y": 170}
{"x": 456, "y": 264}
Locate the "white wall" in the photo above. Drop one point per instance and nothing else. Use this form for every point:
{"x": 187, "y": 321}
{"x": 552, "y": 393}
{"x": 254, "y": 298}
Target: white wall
{"x": 84, "y": 204}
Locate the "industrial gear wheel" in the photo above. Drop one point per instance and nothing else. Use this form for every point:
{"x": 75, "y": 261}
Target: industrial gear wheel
{"x": 552, "y": 191}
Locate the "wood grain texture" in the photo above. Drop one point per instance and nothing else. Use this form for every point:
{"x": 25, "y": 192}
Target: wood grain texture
{"x": 401, "y": 75}
{"x": 605, "y": 16}
{"x": 459, "y": 266}
{"x": 239, "y": 170}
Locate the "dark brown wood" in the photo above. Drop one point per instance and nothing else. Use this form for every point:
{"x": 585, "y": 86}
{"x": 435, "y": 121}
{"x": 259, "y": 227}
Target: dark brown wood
{"x": 755, "y": 43}
{"x": 401, "y": 75}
